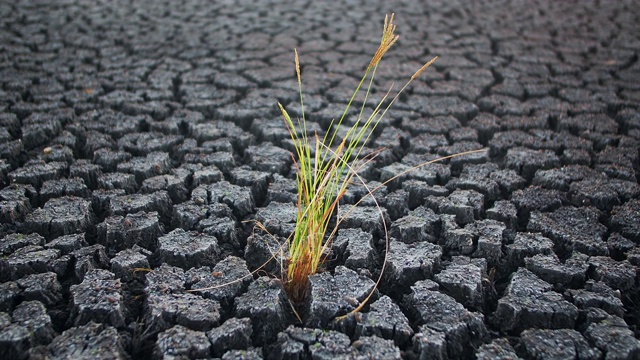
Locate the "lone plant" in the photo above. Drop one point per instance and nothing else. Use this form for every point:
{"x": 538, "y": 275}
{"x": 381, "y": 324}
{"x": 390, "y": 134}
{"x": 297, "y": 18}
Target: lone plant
{"x": 327, "y": 166}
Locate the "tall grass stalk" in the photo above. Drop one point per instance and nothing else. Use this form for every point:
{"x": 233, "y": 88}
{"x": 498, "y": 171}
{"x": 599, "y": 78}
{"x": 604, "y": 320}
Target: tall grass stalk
{"x": 326, "y": 167}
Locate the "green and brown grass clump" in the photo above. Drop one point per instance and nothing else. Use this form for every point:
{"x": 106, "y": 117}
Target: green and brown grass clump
{"x": 327, "y": 166}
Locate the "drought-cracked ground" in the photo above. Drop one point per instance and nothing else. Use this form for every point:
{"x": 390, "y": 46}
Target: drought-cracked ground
{"x": 139, "y": 140}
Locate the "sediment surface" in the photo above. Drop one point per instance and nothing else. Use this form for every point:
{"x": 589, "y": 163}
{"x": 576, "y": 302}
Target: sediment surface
{"x": 140, "y": 140}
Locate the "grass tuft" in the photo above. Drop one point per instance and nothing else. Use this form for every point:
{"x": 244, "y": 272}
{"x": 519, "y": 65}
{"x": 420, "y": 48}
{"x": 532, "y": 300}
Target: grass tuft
{"x": 323, "y": 175}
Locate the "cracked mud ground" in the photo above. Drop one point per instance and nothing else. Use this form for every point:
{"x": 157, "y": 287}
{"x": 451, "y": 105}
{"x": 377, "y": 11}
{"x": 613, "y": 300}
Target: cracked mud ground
{"x": 144, "y": 135}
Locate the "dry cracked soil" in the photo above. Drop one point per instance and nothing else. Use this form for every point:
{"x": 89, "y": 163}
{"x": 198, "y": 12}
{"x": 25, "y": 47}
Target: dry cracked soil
{"x": 140, "y": 139}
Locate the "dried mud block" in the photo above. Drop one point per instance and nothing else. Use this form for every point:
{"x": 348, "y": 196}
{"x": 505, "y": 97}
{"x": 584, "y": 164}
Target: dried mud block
{"x": 14, "y": 242}
{"x": 617, "y": 274}
{"x": 490, "y": 238}
{"x": 396, "y": 203}
{"x": 282, "y": 190}
{"x": 165, "y": 279}
{"x": 556, "y": 344}
{"x": 268, "y": 251}
{"x": 10, "y": 122}
{"x": 67, "y": 243}
{"x": 603, "y": 193}
{"x": 11, "y": 152}
{"x": 463, "y": 282}
{"x": 576, "y": 157}
{"x": 508, "y": 180}
{"x": 159, "y": 202}
{"x": 269, "y": 158}
{"x": 436, "y": 125}
{"x": 113, "y": 123}
{"x": 258, "y": 181}
{"x": 572, "y": 229}
{"x": 385, "y": 320}
{"x": 94, "y": 141}
{"x": 249, "y": 354}
{"x": 334, "y": 295}
{"x": 9, "y": 292}
{"x": 39, "y": 128}
{"x": 206, "y": 175}
{"x": 373, "y": 346}
{"x": 88, "y": 172}
{"x": 367, "y": 218}
{"x": 98, "y": 298}
{"x": 125, "y": 263}
{"x": 572, "y": 272}
{"x": 357, "y": 192}
{"x": 88, "y": 258}
{"x": 28, "y": 260}
{"x": 35, "y": 173}
{"x": 91, "y": 341}
{"x": 142, "y": 144}
{"x": 63, "y": 187}
{"x": 419, "y": 191}
{"x": 101, "y": 200}
{"x": 421, "y": 224}
{"x": 30, "y": 325}
{"x": 498, "y": 349}
{"x": 407, "y": 263}
{"x": 209, "y": 131}
{"x": 233, "y": 334}
{"x": 446, "y": 328}
{"x": 108, "y": 159}
{"x": 536, "y": 199}
{"x": 355, "y": 247}
{"x": 189, "y": 214}
{"x": 143, "y": 168}
{"x": 530, "y": 302}
{"x": 611, "y": 335}
{"x": 123, "y": 232}
{"x": 266, "y": 305}
{"x": 14, "y": 210}
{"x": 173, "y": 184}
{"x": 181, "y": 342}
{"x": 428, "y": 174}
{"x": 526, "y": 161}
{"x": 466, "y": 205}
{"x": 624, "y": 219}
{"x": 427, "y": 168}
{"x": 619, "y": 246}
{"x": 458, "y": 162}
{"x": 527, "y": 245}
{"x": 165, "y": 309}
{"x": 238, "y": 198}
{"x": 61, "y": 216}
{"x": 44, "y": 288}
{"x": 598, "y": 295}
{"x": 278, "y": 218}
{"x": 476, "y": 177}
{"x": 620, "y": 156}
{"x": 226, "y": 281}
{"x": 188, "y": 249}
{"x": 448, "y": 106}
{"x": 584, "y": 123}
{"x": 225, "y": 229}
{"x": 459, "y": 241}
{"x": 222, "y": 160}
{"x": 463, "y": 134}
{"x": 617, "y": 172}
{"x": 302, "y": 343}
